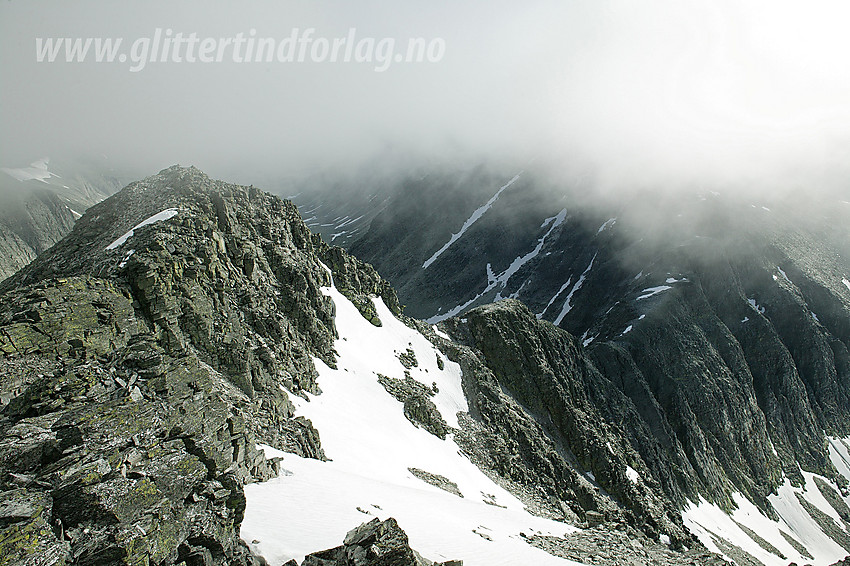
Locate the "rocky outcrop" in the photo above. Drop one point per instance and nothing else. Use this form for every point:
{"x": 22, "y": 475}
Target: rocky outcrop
{"x": 606, "y": 545}
{"x": 118, "y": 452}
{"x": 418, "y": 407}
{"x": 376, "y": 543}
{"x": 233, "y": 277}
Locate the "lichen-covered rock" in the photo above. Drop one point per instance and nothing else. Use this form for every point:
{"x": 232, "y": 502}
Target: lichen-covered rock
{"x": 121, "y": 454}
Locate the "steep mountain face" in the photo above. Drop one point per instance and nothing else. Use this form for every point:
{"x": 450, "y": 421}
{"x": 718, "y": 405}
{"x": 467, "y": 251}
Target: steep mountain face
{"x": 188, "y": 334}
{"x": 39, "y": 204}
{"x": 717, "y": 328}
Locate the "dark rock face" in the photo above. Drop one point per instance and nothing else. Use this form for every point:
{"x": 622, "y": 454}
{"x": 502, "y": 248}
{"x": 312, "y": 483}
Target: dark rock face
{"x": 30, "y": 224}
{"x": 138, "y": 377}
{"x": 376, "y": 543}
{"x": 548, "y": 433}
{"x": 717, "y": 331}
{"x": 418, "y": 407}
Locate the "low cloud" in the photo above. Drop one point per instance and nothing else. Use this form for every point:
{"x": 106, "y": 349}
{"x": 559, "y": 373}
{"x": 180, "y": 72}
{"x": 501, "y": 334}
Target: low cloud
{"x": 661, "y": 93}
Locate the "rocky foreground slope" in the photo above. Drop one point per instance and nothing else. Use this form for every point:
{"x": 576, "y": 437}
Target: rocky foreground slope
{"x": 185, "y": 320}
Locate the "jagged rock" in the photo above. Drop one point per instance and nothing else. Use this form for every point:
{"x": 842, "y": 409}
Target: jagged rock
{"x": 609, "y": 545}
{"x": 418, "y": 408}
{"x": 436, "y": 480}
{"x": 549, "y": 380}
{"x": 376, "y": 543}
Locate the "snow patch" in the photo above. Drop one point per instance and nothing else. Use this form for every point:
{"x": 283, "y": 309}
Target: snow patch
{"x": 652, "y": 291}
{"x": 439, "y": 332}
{"x": 633, "y": 475}
{"x": 708, "y": 521}
{"x": 755, "y": 306}
{"x": 37, "y": 171}
{"x": 158, "y": 217}
{"x": 126, "y": 258}
{"x": 839, "y": 454}
{"x": 608, "y": 223}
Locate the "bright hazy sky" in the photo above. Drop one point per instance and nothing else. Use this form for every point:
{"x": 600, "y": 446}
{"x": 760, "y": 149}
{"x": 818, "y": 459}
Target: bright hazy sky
{"x": 645, "y": 91}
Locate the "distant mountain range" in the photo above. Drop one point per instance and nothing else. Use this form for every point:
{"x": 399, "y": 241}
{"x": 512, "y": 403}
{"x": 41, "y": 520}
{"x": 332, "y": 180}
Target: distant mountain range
{"x": 40, "y": 202}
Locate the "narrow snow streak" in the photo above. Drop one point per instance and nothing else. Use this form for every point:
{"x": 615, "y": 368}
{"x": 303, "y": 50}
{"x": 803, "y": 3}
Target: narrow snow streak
{"x": 567, "y": 304}
{"x": 479, "y": 212}
{"x": 608, "y": 223}
{"x": 846, "y": 283}
{"x": 518, "y": 262}
{"x": 158, "y": 217}
{"x": 652, "y": 291}
{"x": 555, "y": 296}
{"x": 501, "y": 280}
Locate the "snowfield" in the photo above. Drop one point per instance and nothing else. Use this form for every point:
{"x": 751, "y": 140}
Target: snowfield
{"x": 371, "y": 445}
{"x": 37, "y": 171}
{"x": 372, "y": 448}
{"x": 709, "y": 522}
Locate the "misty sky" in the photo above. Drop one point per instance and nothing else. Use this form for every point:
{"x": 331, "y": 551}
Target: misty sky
{"x": 670, "y": 92}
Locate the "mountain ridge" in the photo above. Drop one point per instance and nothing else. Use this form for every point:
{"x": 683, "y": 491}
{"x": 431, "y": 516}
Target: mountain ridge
{"x": 194, "y": 320}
